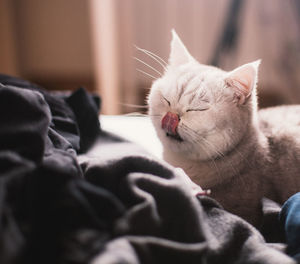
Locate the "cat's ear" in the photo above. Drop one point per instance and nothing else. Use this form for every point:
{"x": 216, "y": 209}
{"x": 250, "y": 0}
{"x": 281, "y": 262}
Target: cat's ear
{"x": 243, "y": 80}
{"x": 179, "y": 54}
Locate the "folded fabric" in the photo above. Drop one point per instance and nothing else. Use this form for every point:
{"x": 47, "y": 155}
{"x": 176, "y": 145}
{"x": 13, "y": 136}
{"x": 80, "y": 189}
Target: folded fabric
{"x": 112, "y": 204}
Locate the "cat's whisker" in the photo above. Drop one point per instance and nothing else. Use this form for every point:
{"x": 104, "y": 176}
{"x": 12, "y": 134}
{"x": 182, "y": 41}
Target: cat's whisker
{"x": 239, "y": 153}
{"x": 153, "y": 115}
{"x": 148, "y": 74}
{"x": 151, "y": 56}
{"x": 134, "y": 105}
{"x": 235, "y": 171}
{"x": 210, "y": 146}
{"x": 152, "y": 68}
{"x": 137, "y": 114}
{"x": 217, "y": 151}
{"x": 154, "y": 57}
{"x": 222, "y": 154}
{"x": 213, "y": 148}
{"x": 214, "y": 163}
{"x": 134, "y": 115}
{"x": 204, "y": 140}
{"x": 186, "y": 128}
{"x": 211, "y": 159}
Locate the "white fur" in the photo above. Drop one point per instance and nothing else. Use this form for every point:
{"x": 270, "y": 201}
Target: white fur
{"x": 189, "y": 85}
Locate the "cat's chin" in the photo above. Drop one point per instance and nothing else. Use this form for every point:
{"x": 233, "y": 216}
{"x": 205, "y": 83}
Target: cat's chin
{"x": 185, "y": 150}
{"x": 174, "y": 137}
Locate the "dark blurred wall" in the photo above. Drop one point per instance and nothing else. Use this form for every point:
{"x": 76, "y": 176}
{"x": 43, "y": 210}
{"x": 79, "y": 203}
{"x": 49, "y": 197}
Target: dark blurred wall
{"x": 52, "y": 41}
{"x": 8, "y": 58}
{"x": 62, "y": 44}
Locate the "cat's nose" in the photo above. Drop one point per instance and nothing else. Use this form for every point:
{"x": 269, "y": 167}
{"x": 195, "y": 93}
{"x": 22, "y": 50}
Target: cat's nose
{"x": 169, "y": 123}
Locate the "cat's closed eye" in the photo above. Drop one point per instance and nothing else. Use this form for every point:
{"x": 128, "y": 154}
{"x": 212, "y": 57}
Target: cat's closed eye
{"x": 197, "y": 109}
{"x": 167, "y": 101}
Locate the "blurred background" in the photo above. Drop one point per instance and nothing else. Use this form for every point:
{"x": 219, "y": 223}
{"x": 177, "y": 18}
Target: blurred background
{"x": 65, "y": 44}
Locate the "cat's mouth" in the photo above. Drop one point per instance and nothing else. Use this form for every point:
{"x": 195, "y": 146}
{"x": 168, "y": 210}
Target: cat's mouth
{"x": 174, "y": 137}
{"x": 169, "y": 124}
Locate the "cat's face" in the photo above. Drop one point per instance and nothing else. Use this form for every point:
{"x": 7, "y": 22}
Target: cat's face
{"x": 200, "y": 111}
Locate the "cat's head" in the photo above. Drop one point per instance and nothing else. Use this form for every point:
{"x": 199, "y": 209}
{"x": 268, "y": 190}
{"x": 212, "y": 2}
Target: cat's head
{"x": 202, "y": 111}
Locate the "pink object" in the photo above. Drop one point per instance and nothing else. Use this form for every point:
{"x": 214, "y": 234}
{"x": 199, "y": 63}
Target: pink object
{"x": 169, "y": 123}
{"x": 204, "y": 193}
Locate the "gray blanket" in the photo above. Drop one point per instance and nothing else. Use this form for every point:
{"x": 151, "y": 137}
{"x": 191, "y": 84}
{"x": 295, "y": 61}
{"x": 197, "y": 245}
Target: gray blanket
{"x": 163, "y": 221}
{"x": 114, "y": 203}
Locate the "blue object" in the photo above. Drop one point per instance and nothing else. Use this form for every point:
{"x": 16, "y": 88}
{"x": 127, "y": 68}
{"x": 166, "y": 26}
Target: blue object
{"x": 290, "y": 218}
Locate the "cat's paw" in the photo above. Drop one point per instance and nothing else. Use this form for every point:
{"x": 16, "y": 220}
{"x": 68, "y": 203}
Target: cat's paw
{"x": 195, "y": 188}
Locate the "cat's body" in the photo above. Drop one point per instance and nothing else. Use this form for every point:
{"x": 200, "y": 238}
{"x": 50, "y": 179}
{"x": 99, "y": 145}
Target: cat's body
{"x": 266, "y": 163}
{"x": 209, "y": 126}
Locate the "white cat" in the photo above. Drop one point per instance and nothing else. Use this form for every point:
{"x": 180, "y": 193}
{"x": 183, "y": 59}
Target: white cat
{"x": 208, "y": 123}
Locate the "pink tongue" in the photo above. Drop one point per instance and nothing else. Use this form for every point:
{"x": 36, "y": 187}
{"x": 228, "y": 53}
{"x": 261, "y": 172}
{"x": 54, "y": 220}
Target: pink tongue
{"x": 169, "y": 123}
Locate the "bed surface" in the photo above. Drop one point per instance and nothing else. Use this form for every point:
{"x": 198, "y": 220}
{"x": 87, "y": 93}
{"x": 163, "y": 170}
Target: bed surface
{"x": 136, "y": 129}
